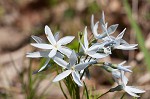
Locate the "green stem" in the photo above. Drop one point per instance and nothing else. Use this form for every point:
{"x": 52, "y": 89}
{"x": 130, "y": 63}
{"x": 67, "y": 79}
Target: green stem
{"x": 87, "y": 94}
{"x": 61, "y": 85}
{"x": 72, "y": 88}
{"x": 30, "y": 94}
{"x": 103, "y": 94}
{"x": 83, "y": 93}
{"x": 77, "y": 92}
{"x": 122, "y": 95}
{"x": 62, "y": 90}
{"x": 79, "y": 36}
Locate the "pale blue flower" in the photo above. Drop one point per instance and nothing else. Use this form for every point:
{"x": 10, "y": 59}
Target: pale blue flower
{"x": 56, "y": 45}
{"x": 116, "y": 74}
{"x": 71, "y": 68}
{"x": 43, "y": 53}
{"x": 119, "y": 66}
{"x": 131, "y": 90}
{"x": 104, "y": 25}
{"x": 123, "y": 68}
{"x": 119, "y": 43}
{"x": 92, "y": 50}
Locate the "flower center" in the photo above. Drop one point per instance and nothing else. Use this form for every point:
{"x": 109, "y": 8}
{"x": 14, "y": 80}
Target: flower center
{"x": 56, "y": 46}
{"x": 86, "y": 51}
{"x": 72, "y": 68}
{"x": 107, "y": 50}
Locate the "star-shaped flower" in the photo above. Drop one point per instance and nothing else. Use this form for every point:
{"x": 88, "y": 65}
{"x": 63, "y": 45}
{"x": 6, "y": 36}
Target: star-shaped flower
{"x": 71, "y": 68}
{"x": 105, "y": 31}
{"x": 119, "y": 66}
{"x": 131, "y": 90}
{"x": 91, "y": 51}
{"x": 118, "y": 42}
{"x": 44, "y": 54}
{"x": 116, "y": 74}
{"x": 56, "y": 45}
{"x": 123, "y": 68}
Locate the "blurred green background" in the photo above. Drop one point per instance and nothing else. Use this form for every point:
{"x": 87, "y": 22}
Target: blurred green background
{"x": 19, "y": 19}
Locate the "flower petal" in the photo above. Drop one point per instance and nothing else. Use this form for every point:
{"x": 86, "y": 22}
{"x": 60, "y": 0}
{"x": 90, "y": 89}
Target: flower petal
{"x": 124, "y": 78}
{"x": 131, "y": 93}
{"x": 65, "y": 40}
{"x": 116, "y": 73}
{"x": 120, "y": 35}
{"x": 45, "y": 65}
{"x": 92, "y": 22}
{"x": 102, "y": 20}
{"x": 86, "y": 43}
{"x": 56, "y": 36}
{"x": 127, "y": 89}
{"x": 52, "y": 53}
{"x": 65, "y": 51}
{"x": 104, "y": 29}
{"x": 133, "y": 45}
{"x": 49, "y": 35}
{"x": 72, "y": 58}
{"x": 42, "y": 46}
{"x": 76, "y": 78}
{"x": 124, "y": 68}
{"x": 126, "y": 47}
{"x": 112, "y": 28}
{"x": 96, "y": 46}
{"x": 135, "y": 90}
{"x": 122, "y": 47}
{"x": 81, "y": 66}
{"x": 123, "y": 42}
{"x": 38, "y": 54}
{"x": 37, "y": 39}
{"x": 82, "y": 46}
{"x": 62, "y": 75}
{"x": 60, "y": 62}
{"x": 122, "y": 63}
{"x": 96, "y": 55}
{"x": 95, "y": 33}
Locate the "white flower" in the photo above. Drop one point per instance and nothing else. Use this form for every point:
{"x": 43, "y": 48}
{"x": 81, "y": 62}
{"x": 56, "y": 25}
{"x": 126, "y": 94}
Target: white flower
{"x": 56, "y": 45}
{"x": 119, "y": 43}
{"x": 116, "y": 74}
{"x": 123, "y": 68}
{"x": 117, "y": 66}
{"x": 38, "y": 53}
{"x": 91, "y": 51}
{"x": 47, "y": 59}
{"x": 131, "y": 90}
{"x": 43, "y": 53}
{"x": 72, "y": 68}
{"x": 105, "y": 30}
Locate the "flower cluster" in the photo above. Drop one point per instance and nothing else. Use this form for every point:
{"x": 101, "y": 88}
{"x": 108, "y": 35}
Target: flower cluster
{"x": 90, "y": 52}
